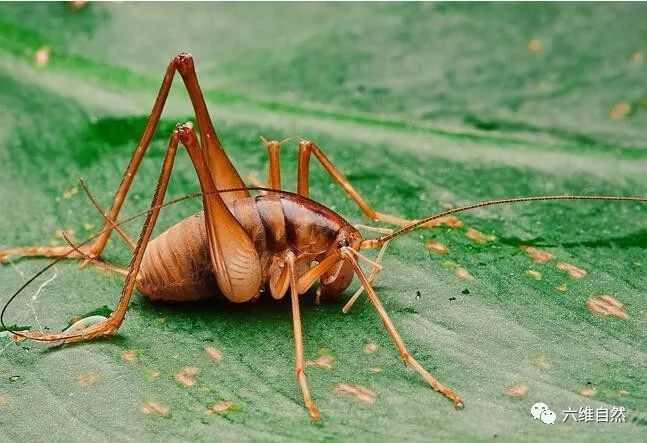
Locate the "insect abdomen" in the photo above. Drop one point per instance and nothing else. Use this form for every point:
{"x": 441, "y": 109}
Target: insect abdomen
{"x": 176, "y": 265}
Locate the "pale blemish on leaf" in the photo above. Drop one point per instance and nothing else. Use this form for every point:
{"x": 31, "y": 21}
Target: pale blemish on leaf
{"x": 561, "y": 288}
{"x": 70, "y": 193}
{"x": 587, "y": 392}
{"x": 516, "y": 390}
{"x": 41, "y": 57}
{"x": 370, "y": 348}
{"x": 323, "y": 361}
{"x": 80, "y": 324}
{"x": 636, "y": 57}
{"x": 152, "y": 374}
{"x": 623, "y": 392}
{"x": 221, "y": 406}
{"x": 69, "y": 233}
{"x": 534, "y": 45}
{"x": 185, "y": 376}
{"x": 376, "y": 370}
{"x": 129, "y": 356}
{"x": 538, "y": 255}
{"x": 478, "y": 236}
{"x": 437, "y": 246}
{"x": 572, "y": 270}
{"x": 213, "y": 353}
{"x": 360, "y": 393}
{"x": 459, "y": 271}
{"x": 154, "y": 407}
{"x": 535, "y": 275}
{"x": 620, "y": 110}
{"x": 88, "y": 226}
{"x": 543, "y": 363}
{"x": 77, "y": 4}
{"x": 463, "y": 273}
{"x": 449, "y": 220}
{"x": 88, "y": 379}
{"x": 3, "y": 399}
{"x": 605, "y": 306}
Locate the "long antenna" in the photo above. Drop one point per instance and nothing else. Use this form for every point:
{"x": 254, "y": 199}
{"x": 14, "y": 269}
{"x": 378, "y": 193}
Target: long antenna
{"x": 372, "y": 243}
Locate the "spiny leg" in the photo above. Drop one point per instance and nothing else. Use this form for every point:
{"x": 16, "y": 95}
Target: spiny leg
{"x": 113, "y": 322}
{"x": 374, "y": 273}
{"x": 135, "y": 160}
{"x": 299, "y": 362}
{"x": 129, "y": 241}
{"x": 307, "y": 147}
{"x": 72, "y": 251}
{"x": 399, "y": 343}
{"x": 95, "y": 261}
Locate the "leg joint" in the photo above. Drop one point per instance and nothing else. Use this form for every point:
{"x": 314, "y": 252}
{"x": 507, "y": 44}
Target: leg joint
{"x": 183, "y": 62}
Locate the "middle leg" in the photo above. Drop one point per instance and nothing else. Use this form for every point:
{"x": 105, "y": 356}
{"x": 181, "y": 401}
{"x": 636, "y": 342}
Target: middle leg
{"x": 306, "y": 148}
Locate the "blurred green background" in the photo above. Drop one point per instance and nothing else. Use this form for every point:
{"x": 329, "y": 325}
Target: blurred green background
{"x": 422, "y": 106}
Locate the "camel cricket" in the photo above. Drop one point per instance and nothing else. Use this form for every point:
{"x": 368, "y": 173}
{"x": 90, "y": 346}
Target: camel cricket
{"x": 241, "y": 246}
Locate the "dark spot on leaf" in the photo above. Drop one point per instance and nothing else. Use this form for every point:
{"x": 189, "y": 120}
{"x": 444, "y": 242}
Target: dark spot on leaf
{"x": 408, "y": 310}
{"x": 465, "y": 291}
{"x": 418, "y": 295}
{"x": 14, "y": 378}
{"x": 452, "y": 298}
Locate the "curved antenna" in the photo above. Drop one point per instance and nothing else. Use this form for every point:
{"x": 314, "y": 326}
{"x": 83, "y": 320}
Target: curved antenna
{"x": 372, "y": 243}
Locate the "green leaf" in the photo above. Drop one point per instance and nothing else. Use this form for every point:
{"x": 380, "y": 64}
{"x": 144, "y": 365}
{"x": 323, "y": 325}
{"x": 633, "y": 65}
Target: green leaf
{"x": 421, "y": 106}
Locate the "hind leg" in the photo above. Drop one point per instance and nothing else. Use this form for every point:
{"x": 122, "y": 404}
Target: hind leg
{"x": 106, "y": 326}
{"x": 219, "y": 165}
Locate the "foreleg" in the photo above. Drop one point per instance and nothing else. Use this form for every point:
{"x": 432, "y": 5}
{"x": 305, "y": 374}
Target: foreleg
{"x": 306, "y": 148}
{"x": 395, "y": 336}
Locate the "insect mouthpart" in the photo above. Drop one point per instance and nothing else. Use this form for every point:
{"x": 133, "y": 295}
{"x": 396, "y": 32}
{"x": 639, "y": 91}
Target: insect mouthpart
{"x": 349, "y": 237}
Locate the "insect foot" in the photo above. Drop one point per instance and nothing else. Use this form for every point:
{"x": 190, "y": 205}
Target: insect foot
{"x": 84, "y": 329}
{"x": 83, "y": 324}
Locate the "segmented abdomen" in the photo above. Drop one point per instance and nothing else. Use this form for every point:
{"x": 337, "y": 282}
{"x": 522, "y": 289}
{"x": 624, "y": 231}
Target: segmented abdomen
{"x": 176, "y": 265}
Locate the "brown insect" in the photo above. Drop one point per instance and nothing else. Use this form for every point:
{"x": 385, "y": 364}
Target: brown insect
{"x": 241, "y": 246}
